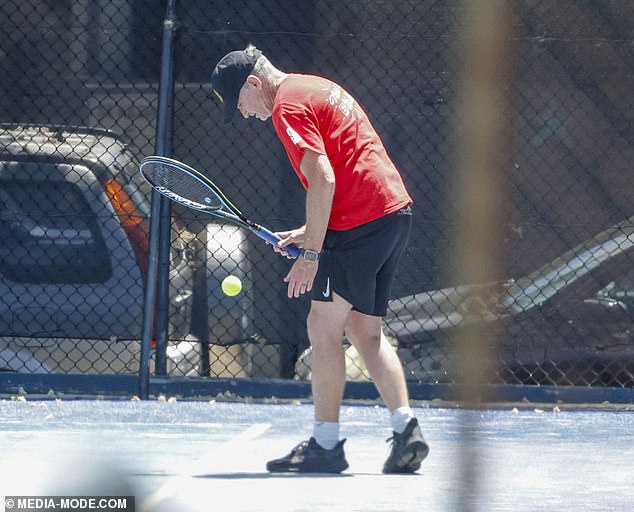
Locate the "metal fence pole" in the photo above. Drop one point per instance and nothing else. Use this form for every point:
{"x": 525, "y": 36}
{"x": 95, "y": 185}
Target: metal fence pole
{"x": 158, "y": 267}
{"x": 164, "y": 148}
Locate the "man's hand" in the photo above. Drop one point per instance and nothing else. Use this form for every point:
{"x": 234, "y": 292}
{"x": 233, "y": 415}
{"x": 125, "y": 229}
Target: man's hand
{"x": 301, "y": 276}
{"x": 294, "y": 236}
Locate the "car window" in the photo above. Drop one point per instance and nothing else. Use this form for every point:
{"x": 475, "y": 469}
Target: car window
{"x": 49, "y": 234}
{"x": 570, "y": 268}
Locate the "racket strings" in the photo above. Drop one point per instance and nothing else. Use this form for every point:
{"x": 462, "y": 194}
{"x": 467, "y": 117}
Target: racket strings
{"x": 187, "y": 188}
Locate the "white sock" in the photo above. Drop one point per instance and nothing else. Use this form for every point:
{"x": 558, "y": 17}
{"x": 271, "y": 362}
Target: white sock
{"x": 326, "y": 433}
{"x": 400, "y": 418}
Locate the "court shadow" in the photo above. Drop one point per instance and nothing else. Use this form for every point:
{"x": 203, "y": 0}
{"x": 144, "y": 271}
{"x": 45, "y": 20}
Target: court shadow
{"x": 266, "y": 476}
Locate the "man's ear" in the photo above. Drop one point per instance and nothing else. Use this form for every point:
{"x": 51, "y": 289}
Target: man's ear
{"x": 254, "y": 81}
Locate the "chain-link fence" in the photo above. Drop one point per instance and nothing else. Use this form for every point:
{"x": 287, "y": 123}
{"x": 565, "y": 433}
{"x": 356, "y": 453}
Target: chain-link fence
{"x": 74, "y": 212}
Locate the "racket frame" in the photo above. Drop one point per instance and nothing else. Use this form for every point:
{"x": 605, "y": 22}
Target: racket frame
{"x": 226, "y": 210}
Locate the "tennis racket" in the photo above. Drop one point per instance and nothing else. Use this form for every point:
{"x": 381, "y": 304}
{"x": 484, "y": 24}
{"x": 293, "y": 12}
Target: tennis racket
{"x": 186, "y": 186}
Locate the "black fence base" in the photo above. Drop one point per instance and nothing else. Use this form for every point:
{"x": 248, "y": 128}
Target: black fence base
{"x": 37, "y": 386}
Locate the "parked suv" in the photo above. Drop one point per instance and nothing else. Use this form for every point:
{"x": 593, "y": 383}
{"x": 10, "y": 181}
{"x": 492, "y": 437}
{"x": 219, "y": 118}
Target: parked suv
{"x": 73, "y": 259}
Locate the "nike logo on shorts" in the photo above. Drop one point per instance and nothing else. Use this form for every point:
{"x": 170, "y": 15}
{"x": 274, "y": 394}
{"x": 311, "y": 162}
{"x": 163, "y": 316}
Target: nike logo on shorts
{"x": 326, "y": 294}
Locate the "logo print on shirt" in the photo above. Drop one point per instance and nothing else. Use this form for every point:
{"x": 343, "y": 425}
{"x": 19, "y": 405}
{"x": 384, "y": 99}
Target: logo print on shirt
{"x": 294, "y": 136}
{"x": 341, "y": 101}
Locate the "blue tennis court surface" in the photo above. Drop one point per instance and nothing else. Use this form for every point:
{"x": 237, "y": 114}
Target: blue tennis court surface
{"x": 202, "y": 456}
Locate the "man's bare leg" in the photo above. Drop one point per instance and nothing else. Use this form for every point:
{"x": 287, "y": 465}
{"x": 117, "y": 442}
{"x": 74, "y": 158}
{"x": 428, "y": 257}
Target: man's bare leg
{"x": 323, "y": 452}
{"x": 408, "y": 445}
{"x": 325, "y": 323}
{"x": 365, "y": 332}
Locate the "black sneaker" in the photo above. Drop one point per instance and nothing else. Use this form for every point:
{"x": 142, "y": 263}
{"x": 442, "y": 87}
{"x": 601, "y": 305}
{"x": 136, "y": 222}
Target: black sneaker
{"x": 310, "y": 457}
{"x": 408, "y": 450}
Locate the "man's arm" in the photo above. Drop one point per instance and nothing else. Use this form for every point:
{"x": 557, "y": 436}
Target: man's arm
{"x": 321, "y": 188}
{"x": 320, "y": 191}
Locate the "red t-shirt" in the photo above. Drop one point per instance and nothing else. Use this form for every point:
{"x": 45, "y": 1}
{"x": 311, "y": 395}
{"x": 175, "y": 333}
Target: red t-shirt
{"x": 314, "y": 113}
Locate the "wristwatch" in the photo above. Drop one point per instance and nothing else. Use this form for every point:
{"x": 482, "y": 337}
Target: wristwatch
{"x": 312, "y": 256}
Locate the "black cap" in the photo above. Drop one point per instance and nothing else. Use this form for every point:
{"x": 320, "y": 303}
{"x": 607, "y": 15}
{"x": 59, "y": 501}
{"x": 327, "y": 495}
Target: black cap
{"x": 229, "y": 76}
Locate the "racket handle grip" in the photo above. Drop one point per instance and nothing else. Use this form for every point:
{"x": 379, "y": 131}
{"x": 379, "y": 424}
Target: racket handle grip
{"x": 293, "y": 251}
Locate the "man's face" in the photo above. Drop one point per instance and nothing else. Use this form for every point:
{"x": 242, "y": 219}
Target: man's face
{"x": 251, "y": 102}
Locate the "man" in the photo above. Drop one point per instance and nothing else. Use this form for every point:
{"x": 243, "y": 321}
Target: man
{"x": 358, "y": 220}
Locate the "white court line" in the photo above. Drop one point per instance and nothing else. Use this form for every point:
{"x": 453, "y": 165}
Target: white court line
{"x": 172, "y": 485}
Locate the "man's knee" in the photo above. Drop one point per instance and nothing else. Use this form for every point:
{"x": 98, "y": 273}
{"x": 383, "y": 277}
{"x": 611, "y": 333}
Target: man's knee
{"x": 364, "y": 330}
{"x": 314, "y": 322}
{"x": 326, "y": 320}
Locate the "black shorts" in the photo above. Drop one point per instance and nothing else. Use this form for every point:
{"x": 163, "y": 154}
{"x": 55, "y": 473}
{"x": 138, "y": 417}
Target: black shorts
{"x": 359, "y": 264}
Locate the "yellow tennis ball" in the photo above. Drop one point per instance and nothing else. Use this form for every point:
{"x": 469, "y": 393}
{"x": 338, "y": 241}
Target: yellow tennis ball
{"x": 231, "y": 286}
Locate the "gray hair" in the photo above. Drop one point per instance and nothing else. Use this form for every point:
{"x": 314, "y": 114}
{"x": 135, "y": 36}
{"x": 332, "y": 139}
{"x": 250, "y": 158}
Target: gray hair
{"x": 263, "y": 67}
